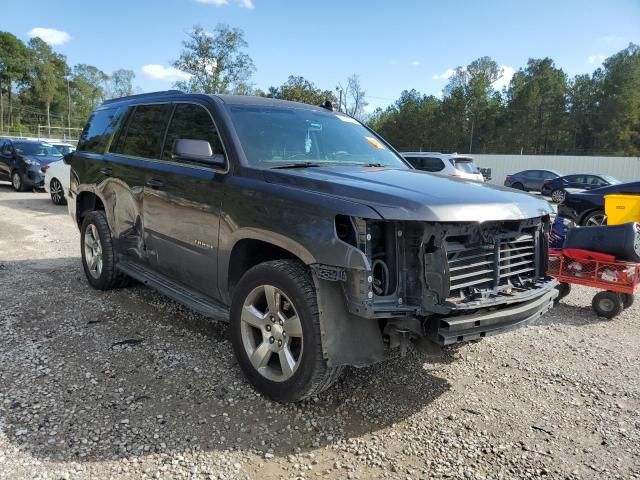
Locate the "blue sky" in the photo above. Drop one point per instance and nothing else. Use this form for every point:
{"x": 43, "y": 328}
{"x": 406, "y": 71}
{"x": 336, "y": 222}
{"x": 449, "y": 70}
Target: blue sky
{"x": 392, "y": 45}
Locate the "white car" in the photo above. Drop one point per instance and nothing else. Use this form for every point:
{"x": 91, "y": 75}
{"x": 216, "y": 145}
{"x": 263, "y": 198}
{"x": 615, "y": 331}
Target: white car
{"x": 64, "y": 148}
{"x": 56, "y": 181}
{"x": 451, "y": 164}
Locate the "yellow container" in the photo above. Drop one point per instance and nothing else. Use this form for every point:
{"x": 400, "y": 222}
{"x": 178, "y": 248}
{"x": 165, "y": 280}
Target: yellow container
{"x": 622, "y": 208}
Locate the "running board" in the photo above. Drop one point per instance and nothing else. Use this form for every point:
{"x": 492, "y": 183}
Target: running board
{"x": 194, "y": 300}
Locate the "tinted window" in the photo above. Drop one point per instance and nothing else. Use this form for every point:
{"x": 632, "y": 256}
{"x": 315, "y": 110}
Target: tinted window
{"x": 427, "y": 164}
{"x": 191, "y": 122}
{"x": 97, "y": 131}
{"x": 142, "y": 134}
{"x": 280, "y": 136}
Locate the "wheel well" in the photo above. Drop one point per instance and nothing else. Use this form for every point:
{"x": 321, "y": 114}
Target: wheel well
{"x": 247, "y": 254}
{"x": 85, "y": 203}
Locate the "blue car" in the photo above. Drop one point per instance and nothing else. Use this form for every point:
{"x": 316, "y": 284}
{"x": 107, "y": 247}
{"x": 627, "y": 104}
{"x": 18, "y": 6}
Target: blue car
{"x": 24, "y": 162}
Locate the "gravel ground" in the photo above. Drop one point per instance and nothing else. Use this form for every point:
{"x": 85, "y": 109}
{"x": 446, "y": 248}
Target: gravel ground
{"x": 128, "y": 384}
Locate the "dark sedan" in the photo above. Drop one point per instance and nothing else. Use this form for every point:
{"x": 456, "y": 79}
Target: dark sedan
{"x": 557, "y": 188}
{"x": 23, "y": 162}
{"x": 530, "y": 180}
{"x": 587, "y": 208}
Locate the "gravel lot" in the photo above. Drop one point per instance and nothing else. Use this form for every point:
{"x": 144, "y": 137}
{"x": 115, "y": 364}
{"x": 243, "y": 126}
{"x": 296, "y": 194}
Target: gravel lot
{"x": 128, "y": 384}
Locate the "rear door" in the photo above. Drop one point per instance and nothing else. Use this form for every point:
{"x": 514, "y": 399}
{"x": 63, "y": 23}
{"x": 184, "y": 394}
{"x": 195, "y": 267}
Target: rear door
{"x": 182, "y": 203}
{"x": 4, "y": 160}
{"x": 533, "y": 180}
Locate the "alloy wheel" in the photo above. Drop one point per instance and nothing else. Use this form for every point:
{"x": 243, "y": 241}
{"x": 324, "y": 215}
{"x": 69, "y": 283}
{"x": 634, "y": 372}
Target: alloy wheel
{"x": 57, "y": 193}
{"x": 596, "y": 220}
{"x": 271, "y": 333}
{"x": 16, "y": 181}
{"x": 93, "y": 251}
{"x": 558, "y": 196}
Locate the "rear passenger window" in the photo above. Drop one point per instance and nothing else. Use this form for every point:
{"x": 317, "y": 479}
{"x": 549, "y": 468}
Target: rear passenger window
{"x": 428, "y": 164}
{"x": 96, "y": 133}
{"x": 191, "y": 122}
{"x": 142, "y": 134}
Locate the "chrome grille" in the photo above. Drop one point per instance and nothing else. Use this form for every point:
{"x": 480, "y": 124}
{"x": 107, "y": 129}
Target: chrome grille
{"x": 489, "y": 266}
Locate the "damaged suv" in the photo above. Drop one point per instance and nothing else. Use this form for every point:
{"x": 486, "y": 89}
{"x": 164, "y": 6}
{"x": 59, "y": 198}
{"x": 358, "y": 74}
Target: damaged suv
{"x": 304, "y": 229}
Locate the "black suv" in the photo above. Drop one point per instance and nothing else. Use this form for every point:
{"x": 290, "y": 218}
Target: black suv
{"x": 304, "y": 229}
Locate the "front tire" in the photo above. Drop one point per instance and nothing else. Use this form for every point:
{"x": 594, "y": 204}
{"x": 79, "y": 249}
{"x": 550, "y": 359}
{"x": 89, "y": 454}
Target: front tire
{"x": 98, "y": 255}
{"x": 57, "y": 192}
{"x": 16, "y": 181}
{"x": 275, "y": 332}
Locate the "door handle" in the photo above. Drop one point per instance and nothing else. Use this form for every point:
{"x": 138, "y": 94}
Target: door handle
{"x": 106, "y": 171}
{"x": 155, "y": 184}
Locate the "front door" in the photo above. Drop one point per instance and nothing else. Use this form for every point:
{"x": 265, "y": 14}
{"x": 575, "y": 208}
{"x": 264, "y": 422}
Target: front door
{"x": 182, "y": 204}
{"x": 6, "y": 160}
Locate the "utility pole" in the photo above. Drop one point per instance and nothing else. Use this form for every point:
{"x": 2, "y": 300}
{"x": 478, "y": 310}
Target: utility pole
{"x": 473, "y": 121}
{"x": 69, "y": 105}
{"x": 339, "y": 90}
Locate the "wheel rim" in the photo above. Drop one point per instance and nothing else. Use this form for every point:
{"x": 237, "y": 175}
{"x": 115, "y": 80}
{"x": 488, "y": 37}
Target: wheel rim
{"x": 93, "y": 251}
{"x": 16, "y": 181}
{"x": 56, "y": 191}
{"x": 596, "y": 220}
{"x": 271, "y": 333}
{"x": 557, "y": 196}
{"x": 607, "y": 305}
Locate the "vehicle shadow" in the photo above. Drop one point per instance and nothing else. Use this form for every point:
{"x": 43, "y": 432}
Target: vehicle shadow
{"x": 37, "y": 201}
{"x": 90, "y": 376}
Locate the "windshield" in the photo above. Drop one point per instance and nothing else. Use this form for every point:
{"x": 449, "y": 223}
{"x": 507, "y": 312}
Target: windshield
{"x": 277, "y": 136}
{"x": 465, "y": 165}
{"x": 64, "y": 149}
{"x": 610, "y": 179}
{"x": 37, "y": 149}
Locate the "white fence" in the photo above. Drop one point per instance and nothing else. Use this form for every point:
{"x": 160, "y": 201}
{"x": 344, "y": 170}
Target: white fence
{"x": 626, "y": 169}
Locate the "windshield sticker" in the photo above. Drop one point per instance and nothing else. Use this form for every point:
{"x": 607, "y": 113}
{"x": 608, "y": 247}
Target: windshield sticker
{"x": 344, "y": 118}
{"x": 375, "y": 143}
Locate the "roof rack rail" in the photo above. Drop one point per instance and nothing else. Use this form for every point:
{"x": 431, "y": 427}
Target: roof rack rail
{"x": 143, "y": 95}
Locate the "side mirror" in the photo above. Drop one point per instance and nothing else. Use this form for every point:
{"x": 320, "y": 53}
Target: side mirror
{"x": 198, "y": 151}
{"x": 67, "y": 158}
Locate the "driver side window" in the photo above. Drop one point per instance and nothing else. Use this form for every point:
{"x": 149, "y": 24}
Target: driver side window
{"x": 190, "y": 122}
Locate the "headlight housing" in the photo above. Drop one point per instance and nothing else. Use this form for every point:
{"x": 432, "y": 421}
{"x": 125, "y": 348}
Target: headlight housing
{"x": 33, "y": 163}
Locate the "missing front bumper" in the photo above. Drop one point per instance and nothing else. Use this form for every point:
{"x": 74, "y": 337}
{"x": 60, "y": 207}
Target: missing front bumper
{"x": 465, "y": 328}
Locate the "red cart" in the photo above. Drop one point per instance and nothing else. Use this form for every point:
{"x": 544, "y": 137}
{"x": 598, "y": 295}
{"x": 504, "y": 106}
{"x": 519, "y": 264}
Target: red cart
{"x": 618, "y": 280}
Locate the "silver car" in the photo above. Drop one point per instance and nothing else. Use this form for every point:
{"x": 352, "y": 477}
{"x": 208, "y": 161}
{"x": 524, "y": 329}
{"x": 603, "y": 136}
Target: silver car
{"x": 450, "y": 164}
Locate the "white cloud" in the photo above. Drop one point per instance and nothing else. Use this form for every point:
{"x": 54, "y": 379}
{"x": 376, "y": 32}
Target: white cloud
{"x": 444, "y": 75}
{"x": 246, "y": 4}
{"x": 50, "y": 35}
{"x": 595, "y": 59}
{"x": 415, "y": 63}
{"x": 503, "y": 81}
{"x": 160, "y": 72}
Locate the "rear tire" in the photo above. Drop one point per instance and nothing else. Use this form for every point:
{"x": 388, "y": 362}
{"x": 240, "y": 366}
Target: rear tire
{"x": 518, "y": 186}
{"x": 557, "y": 196}
{"x": 275, "y": 332}
{"x": 98, "y": 255}
{"x": 57, "y": 192}
{"x": 595, "y": 219}
{"x": 627, "y": 300}
{"x": 16, "y": 181}
{"x": 607, "y": 304}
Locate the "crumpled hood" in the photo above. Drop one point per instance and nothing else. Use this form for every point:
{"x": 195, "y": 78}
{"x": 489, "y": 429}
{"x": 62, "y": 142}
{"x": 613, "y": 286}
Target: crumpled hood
{"x": 404, "y": 194}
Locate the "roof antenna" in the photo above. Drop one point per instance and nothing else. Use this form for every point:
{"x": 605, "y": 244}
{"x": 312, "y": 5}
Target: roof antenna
{"x": 327, "y": 105}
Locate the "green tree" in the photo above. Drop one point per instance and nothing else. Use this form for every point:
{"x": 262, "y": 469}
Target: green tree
{"x": 47, "y": 79}
{"x": 618, "y": 113}
{"x": 14, "y": 67}
{"x": 87, "y": 90}
{"x": 537, "y": 107}
{"x": 583, "y": 96}
{"x": 216, "y": 62}
{"x": 121, "y": 83}
{"x": 299, "y": 89}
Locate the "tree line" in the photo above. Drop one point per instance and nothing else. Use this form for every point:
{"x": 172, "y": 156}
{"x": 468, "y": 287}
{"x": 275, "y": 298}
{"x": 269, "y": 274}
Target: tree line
{"x": 38, "y": 87}
{"x": 541, "y": 111}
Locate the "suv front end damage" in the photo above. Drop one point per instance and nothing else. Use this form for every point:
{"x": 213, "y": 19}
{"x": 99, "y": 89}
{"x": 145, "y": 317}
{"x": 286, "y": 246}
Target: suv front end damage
{"x": 446, "y": 282}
